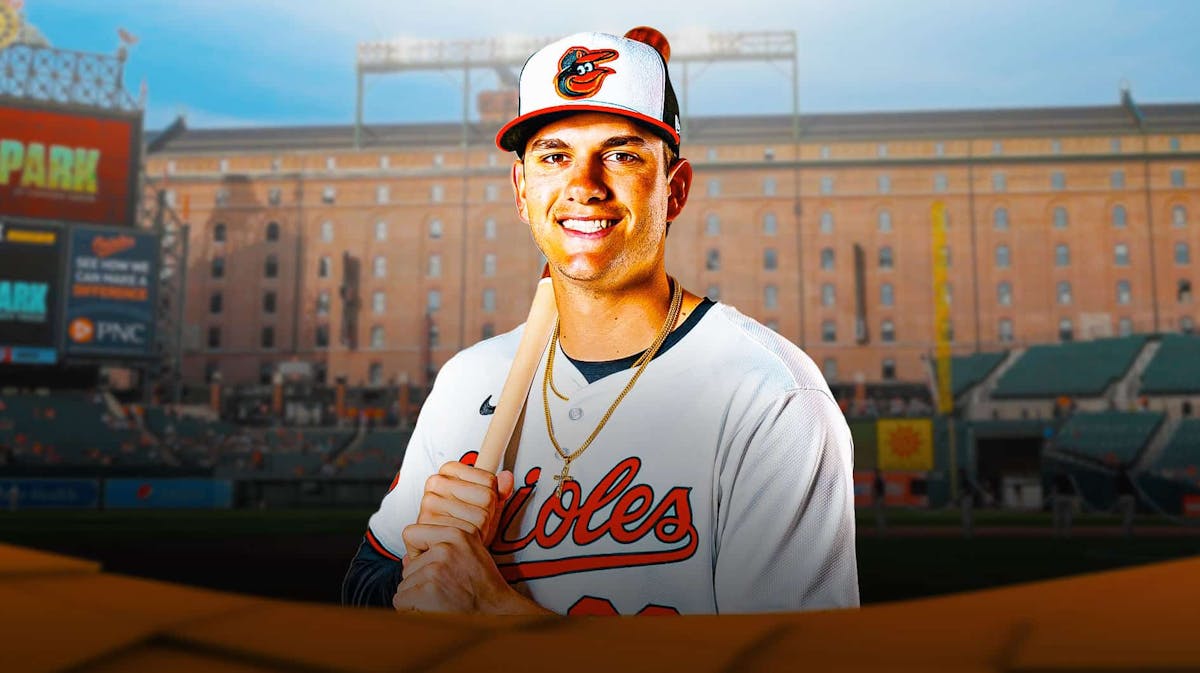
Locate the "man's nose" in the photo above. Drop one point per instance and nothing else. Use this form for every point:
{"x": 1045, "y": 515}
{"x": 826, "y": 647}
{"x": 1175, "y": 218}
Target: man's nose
{"x": 586, "y": 182}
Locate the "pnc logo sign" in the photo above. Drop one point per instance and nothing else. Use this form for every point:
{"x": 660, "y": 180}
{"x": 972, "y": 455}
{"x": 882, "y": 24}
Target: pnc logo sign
{"x": 82, "y": 331}
{"x": 85, "y": 331}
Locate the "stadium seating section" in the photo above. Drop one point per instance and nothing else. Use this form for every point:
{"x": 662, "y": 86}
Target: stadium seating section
{"x": 1112, "y": 437}
{"x": 1182, "y": 453}
{"x": 69, "y": 429}
{"x": 969, "y": 371}
{"x": 1175, "y": 368}
{"x": 1083, "y": 369}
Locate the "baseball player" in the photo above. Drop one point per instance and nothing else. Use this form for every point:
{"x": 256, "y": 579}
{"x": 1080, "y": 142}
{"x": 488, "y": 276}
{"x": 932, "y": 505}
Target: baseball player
{"x": 675, "y": 456}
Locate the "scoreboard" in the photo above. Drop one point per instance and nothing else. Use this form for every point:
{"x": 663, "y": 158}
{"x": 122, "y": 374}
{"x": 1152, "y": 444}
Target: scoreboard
{"x": 30, "y": 291}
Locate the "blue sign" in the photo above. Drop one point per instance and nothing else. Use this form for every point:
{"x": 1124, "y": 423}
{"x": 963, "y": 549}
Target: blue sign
{"x": 111, "y": 292}
{"x": 168, "y": 494}
{"x": 21, "y": 355}
{"x": 49, "y": 493}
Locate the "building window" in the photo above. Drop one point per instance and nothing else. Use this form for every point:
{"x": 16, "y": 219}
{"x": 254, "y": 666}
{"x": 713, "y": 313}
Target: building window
{"x": 940, "y": 184}
{"x": 1183, "y": 291}
{"x": 214, "y": 337}
{"x": 1174, "y": 144}
{"x": 885, "y": 257}
{"x": 770, "y": 297}
{"x": 330, "y": 163}
{"x": 1124, "y": 293}
{"x": 881, "y": 150}
{"x": 324, "y": 267}
{"x": 1062, "y": 255}
{"x": 221, "y": 197}
{"x": 489, "y": 265}
{"x": 381, "y": 230}
{"x": 997, "y": 147}
{"x": 1117, "y": 180}
{"x": 827, "y": 259}
{"x": 770, "y": 259}
{"x": 437, "y": 193}
{"x": 489, "y": 192}
{"x": 328, "y": 195}
{"x": 770, "y": 224}
{"x": 272, "y": 232}
{"x": 713, "y": 292}
{"x": 1005, "y": 330}
{"x": 948, "y": 293}
{"x": 378, "y": 302}
{"x": 274, "y": 196}
{"x": 1179, "y": 216}
{"x": 271, "y": 267}
{"x": 1114, "y": 145}
{"x": 825, "y": 152}
{"x": 321, "y": 336}
{"x": 489, "y": 229}
{"x": 219, "y": 232}
{"x": 710, "y": 154}
{"x": 829, "y": 369}
{"x": 218, "y": 267}
{"x": 1056, "y": 147}
{"x": 435, "y": 337}
{"x": 377, "y": 337}
{"x": 1124, "y": 327}
{"x": 884, "y": 184}
{"x": 828, "y": 332}
{"x": 714, "y": 187}
{"x": 712, "y": 259}
{"x": 827, "y": 184}
{"x": 1060, "y": 218}
{"x": 1004, "y": 293}
{"x": 887, "y": 331}
{"x": 216, "y": 302}
{"x": 487, "y": 331}
{"x": 828, "y": 294}
{"x": 375, "y": 373}
{"x": 769, "y": 187}
{"x": 826, "y": 222}
{"x": 887, "y": 295}
{"x": 385, "y": 161}
{"x": 268, "y": 304}
{"x": 1177, "y": 177}
{"x": 939, "y": 149}
{"x": 712, "y": 225}
{"x": 1000, "y": 219}
{"x": 1183, "y": 254}
{"x": 1121, "y": 254}
{"x": 1003, "y": 256}
{"x": 1187, "y": 325}
{"x": 439, "y": 160}
{"x": 889, "y": 369}
{"x": 1064, "y": 293}
{"x": 433, "y": 301}
{"x": 435, "y": 266}
{"x": 323, "y": 302}
{"x": 1058, "y": 181}
{"x": 768, "y": 154}
{"x": 1066, "y": 332}
{"x": 489, "y": 300}
{"x": 947, "y": 256}
{"x": 327, "y": 231}
{"x": 999, "y": 182}
{"x": 884, "y": 221}
{"x": 381, "y": 194}
{"x": 1119, "y": 217}
{"x": 268, "y": 337}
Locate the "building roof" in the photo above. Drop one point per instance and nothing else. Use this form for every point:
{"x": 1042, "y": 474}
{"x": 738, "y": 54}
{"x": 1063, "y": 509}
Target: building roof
{"x": 948, "y": 124}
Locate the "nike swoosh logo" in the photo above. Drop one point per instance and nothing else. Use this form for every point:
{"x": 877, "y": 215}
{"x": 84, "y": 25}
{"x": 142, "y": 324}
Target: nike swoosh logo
{"x": 487, "y": 408}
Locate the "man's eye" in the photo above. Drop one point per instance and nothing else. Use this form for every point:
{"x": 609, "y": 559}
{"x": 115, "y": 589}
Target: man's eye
{"x": 624, "y": 157}
{"x": 556, "y": 158}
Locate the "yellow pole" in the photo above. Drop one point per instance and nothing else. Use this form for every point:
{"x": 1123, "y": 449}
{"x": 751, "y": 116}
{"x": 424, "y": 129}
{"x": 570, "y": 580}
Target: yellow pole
{"x": 941, "y": 333}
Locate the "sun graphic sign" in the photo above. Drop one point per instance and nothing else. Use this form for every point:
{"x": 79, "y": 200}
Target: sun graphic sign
{"x": 10, "y": 24}
{"x": 905, "y": 444}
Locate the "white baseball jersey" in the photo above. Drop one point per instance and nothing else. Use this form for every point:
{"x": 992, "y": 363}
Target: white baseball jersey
{"x": 721, "y": 484}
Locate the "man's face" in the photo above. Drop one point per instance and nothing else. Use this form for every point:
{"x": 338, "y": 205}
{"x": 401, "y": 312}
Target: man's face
{"x": 597, "y": 196}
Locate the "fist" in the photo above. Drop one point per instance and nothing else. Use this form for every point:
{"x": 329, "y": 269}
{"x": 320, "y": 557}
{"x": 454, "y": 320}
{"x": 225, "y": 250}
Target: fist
{"x": 467, "y": 498}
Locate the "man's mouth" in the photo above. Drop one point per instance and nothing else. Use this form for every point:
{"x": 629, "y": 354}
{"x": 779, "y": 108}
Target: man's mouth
{"x": 587, "y": 226}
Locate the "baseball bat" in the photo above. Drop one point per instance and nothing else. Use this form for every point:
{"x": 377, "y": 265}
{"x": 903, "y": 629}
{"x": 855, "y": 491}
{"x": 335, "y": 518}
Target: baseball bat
{"x": 539, "y": 324}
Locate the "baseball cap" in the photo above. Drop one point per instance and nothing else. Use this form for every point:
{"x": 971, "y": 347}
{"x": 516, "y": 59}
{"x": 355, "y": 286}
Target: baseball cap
{"x": 595, "y": 72}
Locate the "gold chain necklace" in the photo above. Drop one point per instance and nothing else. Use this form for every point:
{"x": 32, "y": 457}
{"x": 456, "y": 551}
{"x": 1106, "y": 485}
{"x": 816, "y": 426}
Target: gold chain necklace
{"x": 641, "y": 364}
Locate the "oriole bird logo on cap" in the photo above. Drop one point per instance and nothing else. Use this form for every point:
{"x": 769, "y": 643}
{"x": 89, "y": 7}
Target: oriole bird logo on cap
{"x": 581, "y": 71}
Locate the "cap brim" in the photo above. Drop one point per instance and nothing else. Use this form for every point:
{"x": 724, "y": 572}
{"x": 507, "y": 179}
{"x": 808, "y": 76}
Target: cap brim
{"x": 513, "y": 136}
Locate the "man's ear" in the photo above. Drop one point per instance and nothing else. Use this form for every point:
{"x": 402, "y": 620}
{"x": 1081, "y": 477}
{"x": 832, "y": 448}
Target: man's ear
{"x": 518, "y": 183}
{"x": 679, "y": 185}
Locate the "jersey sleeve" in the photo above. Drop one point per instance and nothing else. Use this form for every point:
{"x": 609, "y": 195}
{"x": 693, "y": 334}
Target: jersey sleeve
{"x": 785, "y": 522}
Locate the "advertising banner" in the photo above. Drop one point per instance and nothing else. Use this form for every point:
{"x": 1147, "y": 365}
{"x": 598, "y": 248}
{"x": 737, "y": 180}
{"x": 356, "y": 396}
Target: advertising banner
{"x": 49, "y": 493}
{"x": 168, "y": 494}
{"x": 905, "y": 444}
{"x": 30, "y": 271}
{"x": 112, "y": 278}
{"x": 67, "y": 166}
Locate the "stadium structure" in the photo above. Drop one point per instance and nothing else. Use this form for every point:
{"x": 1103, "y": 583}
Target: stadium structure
{"x": 298, "y": 287}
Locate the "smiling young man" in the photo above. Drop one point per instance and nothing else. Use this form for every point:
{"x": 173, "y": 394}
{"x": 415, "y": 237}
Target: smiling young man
{"x": 675, "y": 455}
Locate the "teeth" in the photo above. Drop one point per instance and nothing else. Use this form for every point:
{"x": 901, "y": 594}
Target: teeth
{"x": 588, "y": 226}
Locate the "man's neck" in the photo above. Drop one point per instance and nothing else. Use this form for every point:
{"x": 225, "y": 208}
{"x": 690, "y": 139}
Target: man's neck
{"x": 599, "y": 326}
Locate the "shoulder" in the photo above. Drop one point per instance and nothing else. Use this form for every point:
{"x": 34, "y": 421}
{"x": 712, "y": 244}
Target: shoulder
{"x": 744, "y": 347}
{"x": 483, "y": 360}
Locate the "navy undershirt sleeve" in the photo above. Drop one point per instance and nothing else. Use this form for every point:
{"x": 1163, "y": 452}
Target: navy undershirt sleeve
{"x": 372, "y": 579}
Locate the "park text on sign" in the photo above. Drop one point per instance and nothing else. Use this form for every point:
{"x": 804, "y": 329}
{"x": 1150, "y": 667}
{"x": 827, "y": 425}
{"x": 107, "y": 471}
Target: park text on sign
{"x": 56, "y": 168}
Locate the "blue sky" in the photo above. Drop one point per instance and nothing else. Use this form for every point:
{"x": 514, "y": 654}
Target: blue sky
{"x": 281, "y": 62}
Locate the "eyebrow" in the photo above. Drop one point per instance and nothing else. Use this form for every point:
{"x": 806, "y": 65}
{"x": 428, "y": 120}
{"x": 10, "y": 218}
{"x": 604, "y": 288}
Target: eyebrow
{"x": 615, "y": 141}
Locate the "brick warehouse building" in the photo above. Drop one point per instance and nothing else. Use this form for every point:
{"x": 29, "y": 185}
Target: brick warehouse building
{"x": 377, "y": 264}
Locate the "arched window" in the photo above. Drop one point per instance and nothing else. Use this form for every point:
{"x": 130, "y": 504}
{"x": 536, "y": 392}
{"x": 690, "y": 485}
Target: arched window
{"x": 827, "y": 259}
{"x": 1066, "y": 331}
{"x": 271, "y": 267}
{"x": 1064, "y": 292}
{"x": 712, "y": 224}
{"x": 1004, "y": 293}
{"x": 219, "y": 232}
{"x": 1121, "y": 254}
{"x": 1124, "y": 292}
{"x": 272, "y": 231}
{"x": 885, "y": 257}
{"x": 826, "y": 222}
{"x": 885, "y": 221}
{"x": 1062, "y": 255}
{"x": 1000, "y": 218}
{"x": 770, "y": 224}
{"x": 1119, "y": 216}
{"x": 828, "y": 294}
{"x": 1179, "y": 216}
{"x": 887, "y": 294}
{"x": 380, "y": 266}
{"x": 828, "y": 331}
{"x": 887, "y": 331}
{"x": 1183, "y": 255}
{"x": 1060, "y": 218}
{"x": 1003, "y": 256}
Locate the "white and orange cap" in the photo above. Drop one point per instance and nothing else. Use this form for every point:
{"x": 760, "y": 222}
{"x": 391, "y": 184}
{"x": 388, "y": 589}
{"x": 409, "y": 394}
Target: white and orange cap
{"x": 596, "y": 72}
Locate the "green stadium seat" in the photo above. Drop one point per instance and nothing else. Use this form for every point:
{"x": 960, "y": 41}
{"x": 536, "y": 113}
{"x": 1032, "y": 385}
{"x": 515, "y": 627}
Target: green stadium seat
{"x": 1112, "y": 437}
{"x": 1083, "y": 369}
{"x": 968, "y": 371}
{"x": 1175, "y": 369}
